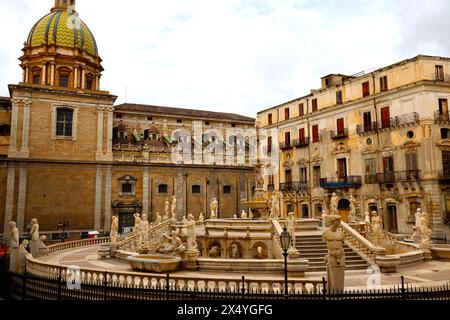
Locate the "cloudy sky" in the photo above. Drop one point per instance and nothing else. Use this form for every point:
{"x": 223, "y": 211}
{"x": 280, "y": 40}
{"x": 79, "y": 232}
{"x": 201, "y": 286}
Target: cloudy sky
{"x": 237, "y": 56}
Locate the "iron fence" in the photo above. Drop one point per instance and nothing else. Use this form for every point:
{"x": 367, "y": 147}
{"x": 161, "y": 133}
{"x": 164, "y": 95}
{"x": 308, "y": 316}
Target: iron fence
{"x": 31, "y": 287}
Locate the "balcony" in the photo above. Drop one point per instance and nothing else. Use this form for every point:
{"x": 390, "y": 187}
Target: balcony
{"x": 286, "y": 145}
{"x": 441, "y": 117}
{"x": 401, "y": 121}
{"x": 367, "y": 128}
{"x": 371, "y": 179}
{"x": 295, "y": 186}
{"x": 339, "y": 134}
{"x": 302, "y": 142}
{"x": 399, "y": 176}
{"x": 444, "y": 177}
{"x": 344, "y": 182}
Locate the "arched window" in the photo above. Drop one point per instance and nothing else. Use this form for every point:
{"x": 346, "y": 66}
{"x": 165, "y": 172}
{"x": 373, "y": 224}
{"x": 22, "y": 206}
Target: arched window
{"x": 64, "y": 122}
{"x": 163, "y": 188}
{"x": 318, "y": 210}
{"x": 89, "y": 82}
{"x": 63, "y": 77}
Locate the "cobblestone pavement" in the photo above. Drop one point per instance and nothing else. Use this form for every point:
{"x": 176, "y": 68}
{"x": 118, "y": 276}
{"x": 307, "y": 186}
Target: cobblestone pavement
{"x": 431, "y": 273}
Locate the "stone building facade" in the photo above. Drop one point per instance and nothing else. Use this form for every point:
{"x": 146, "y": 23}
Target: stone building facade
{"x": 381, "y": 137}
{"x": 70, "y": 155}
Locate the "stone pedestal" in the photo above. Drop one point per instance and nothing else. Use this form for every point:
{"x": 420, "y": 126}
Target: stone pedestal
{"x": 388, "y": 264}
{"x": 426, "y": 252}
{"x": 191, "y": 260}
{"x": 335, "y": 278}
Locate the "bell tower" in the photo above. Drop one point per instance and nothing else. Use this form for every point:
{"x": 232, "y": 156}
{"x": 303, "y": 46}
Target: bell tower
{"x": 63, "y": 5}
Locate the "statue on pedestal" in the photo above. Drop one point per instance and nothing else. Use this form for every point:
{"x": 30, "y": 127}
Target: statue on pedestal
{"x": 13, "y": 247}
{"x": 334, "y": 202}
{"x": 273, "y": 202}
{"x": 335, "y": 259}
{"x": 214, "y": 206}
{"x": 214, "y": 252}
{"x": 290, "y": 225}
{"x": 425, "y": 231}
{"x": 173, "y": 244}
{"x": 235, "y": 252}
{"x": 191, "y": 234}
{"x": 144, "y": 229}
{"x": 158, "y": 218}
{"x": 377, "y": 229}
{"x": 201, "y": 218}
{"x": 352, "y": 215}
{"x": 114, "y": 230}
{"x": 244, "y": 215}
{"x": 137, "y": 222}
{"x": 416, "y": 228}
{"x": 34, "y": 232}
{"x": 367, "y": 217}
{"x": 166, "y": 210}
{"x": 173, "y": 208}
{"x": 22, "y": 259}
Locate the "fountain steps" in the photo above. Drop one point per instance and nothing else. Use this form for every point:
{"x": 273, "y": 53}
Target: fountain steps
{"x": 313, "y": 248}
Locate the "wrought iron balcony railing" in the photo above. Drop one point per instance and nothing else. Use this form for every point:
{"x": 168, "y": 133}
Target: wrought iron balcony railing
{"x": 367, "y": 128}
{"x": 441, "y": 117}
{"x": 444, "y": 177}
{"x": 403, "y": 120}
{"x": 399, "y": 176}
{"x": 339, "y": 134}
{"x": 302, "y": 142}
{"x": 371, "y": 179}
{"x": 285, "y": 145}
{"x": 344, "y": 182}
{"x": 294, "y": 186}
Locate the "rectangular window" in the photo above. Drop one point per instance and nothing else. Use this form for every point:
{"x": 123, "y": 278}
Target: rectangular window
{"x": 179, "y": 121}
{"x": 227, "y": 190}
{"x": 163, "y": 188}
{"x": 288, "y": 176}
{"x": 269, "y": 120}
{"x": 342, "y": 168}
{"x": 303, "y": 175}
{"x": 443, "y": 107}
{"x": 385, "y": 117}
{"x": 315, "y": 132}
{"x": 314, "y": 105}
{"x": 439, "y": 72}
{"x": 301, "y": 109}
{"x": 286, "y": 114}
{"x": 127, "y": 188}
{"x": 301, "y": 134}
{"x": 369, "y": 166}
{"x": 269, "y": 144}
{"x": 367, "y": 121}
{"x": 64, "y": 122}
{"x": 384, "y": 83}
{"x": 287, "y": 138}
{"x": 388, "y": 164}
{"x": 339, "y": 97}
{"x": 89, "y": 83}
{"x": 316, "y": 176}
{"x": 196, "y": 189}
{"x": 64, "y": 81}
{"x": 366, "y": 89}
{"x": 340, "y": 126}
{"x": 411, "y": 161}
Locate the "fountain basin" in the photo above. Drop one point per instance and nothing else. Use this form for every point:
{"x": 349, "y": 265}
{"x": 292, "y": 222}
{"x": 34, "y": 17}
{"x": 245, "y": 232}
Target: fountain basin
{"x": 154, "y": 263}
{"x": 441, "y": 252}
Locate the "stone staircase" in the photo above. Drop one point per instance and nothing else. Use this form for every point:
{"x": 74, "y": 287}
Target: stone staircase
{"x": 312, "y": 247}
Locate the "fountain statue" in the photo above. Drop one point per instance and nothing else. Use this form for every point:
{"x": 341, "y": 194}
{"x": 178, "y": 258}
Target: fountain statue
{"x": 274, "y": 199}
{"x": 13, "y": 247}
{"x": 43, "y": 249}
{"x": 214, "y": 206}
{"x": 172, "y": 244}
{"x": 335, "y": 259}
{"x": 22, "y": 259}
{"x": 166, "y": 209}
{"x": 244, "y": 215}
{"x": 158, "y": 218}
{"x": 191, "y": 234}
{"x": 201, "y": 218}
{"x": 34, "y": 232}
{"x": 377, "y": 229}
{"x": 334, "y": 202}
{"x": 173, "y": 208}
{"x": 114, "y": 230}
{"x": 259, "y": 207}
{"x": 425, "y": 231}
{"x": 352, "y": 216}
{"x": 137, "y": 222}
{"x": 235, "y": 252}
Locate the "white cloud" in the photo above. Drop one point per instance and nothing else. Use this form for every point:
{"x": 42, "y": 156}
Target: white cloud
{"x": 235, "y": 55}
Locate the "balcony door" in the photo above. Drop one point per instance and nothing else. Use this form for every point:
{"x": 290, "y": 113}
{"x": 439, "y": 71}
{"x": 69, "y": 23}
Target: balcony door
{"x": 288, "y": 176}
{"x": 367, "y": 121}
{"x": 342, "y": 169}
{"x": 411, "y": 165}
{"x": 392, "y": 218}
{"x": 287, "y": 138}
{"x": 443, "y": 106}
{"x": 301, "y": 135}
{"x": 340, "y": 126}
{"x": 388, "y": 169}
{"x": 385, "y": 117}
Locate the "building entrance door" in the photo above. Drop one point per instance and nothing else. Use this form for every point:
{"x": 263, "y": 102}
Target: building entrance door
{"x": 392, "y": 219}
{"x": 344, "y": 209}
{"x": 126, "y": 222}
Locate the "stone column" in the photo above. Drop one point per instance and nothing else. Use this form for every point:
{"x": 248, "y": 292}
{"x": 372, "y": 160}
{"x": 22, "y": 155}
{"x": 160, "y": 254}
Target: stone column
{"x": 83, "y": 78}
{"x": 109, "y": 134}
{"x": 100, "y": 133}
{"x": 241, "y": 191}
{"x": 44, "y": 74}
{"x": 98, "y": 198}
{"x": 9, "y": 201}
{"x": 14, "y": 120}
{"x": 25, "y": 129}
{"x": 21, "y": 202}
{"x": 179, "y": 194}
{"x": 107, "y": 222}
{"x": 145, "y": 194}
{"x": 27, "y": 74}
{"x": 97, "y": 82}
{"x": 52, "y": 73}
{"x": 75, "y": 78}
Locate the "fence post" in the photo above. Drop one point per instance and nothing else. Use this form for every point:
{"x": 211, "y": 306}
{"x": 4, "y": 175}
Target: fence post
{"x": 167, "y": 286}
{"x": 24, "y": 284}
{"x": 324, "y": 291}
{"x": 243, "y": 287}
{"x": 403, "y": 290}
{"x": 105, "y": 285}
{"x": 59, "y": 284}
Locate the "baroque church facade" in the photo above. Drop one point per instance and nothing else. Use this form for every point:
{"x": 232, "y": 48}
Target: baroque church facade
{"x": 71, "y": 157}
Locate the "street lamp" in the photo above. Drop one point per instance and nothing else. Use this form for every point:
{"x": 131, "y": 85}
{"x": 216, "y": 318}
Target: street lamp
{"x": 285, "y": 238}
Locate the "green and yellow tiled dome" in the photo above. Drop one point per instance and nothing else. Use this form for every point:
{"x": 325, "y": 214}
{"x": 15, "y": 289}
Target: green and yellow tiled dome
{"x": 57, "y": 28}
